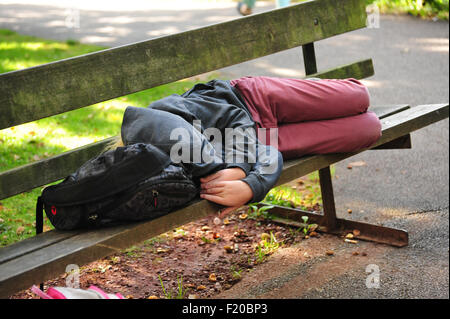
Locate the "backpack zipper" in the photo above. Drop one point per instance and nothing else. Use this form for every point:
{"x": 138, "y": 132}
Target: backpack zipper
{"x": 155, "y": 197}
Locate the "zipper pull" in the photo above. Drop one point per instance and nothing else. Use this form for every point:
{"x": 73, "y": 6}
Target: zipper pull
{"x": 155, "y": 197}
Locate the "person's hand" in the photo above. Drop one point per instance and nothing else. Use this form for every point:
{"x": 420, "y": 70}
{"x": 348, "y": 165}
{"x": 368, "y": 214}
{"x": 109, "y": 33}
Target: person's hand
{"x": 233, "y": 194}
{"x": 228, "y": 174}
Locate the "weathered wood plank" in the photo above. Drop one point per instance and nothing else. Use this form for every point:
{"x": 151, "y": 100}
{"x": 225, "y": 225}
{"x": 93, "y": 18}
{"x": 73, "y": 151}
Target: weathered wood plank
{"x": 29, "y": 176}
{"x": 31, "y": 244}
{"x": 403, "y": 142}
{"x": 48, "y": 170}
{"x": 43, "y": 264}
{"x": 358, "y": 70}
{"x": 61, "y": 86}
{"x": 385, "y": 111}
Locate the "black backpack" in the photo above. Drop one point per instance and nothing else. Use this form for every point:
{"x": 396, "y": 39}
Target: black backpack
{"x": 131, "y": 183}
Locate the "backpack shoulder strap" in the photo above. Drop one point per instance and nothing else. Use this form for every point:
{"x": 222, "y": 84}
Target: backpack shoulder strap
{"x": 39, "y": 216}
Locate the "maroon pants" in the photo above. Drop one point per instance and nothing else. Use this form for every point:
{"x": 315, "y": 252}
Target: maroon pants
{"x": 312, "y": 117}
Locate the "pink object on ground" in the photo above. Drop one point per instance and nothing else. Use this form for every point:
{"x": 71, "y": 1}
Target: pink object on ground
{"x": 312, "y": 116}
{"x": 92, "y": 292}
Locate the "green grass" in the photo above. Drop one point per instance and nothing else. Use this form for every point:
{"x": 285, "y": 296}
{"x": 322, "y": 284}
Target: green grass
{"x": 421, "y": 8}
{"x": 305, "y": 194}
{"x": 37, "y": 140}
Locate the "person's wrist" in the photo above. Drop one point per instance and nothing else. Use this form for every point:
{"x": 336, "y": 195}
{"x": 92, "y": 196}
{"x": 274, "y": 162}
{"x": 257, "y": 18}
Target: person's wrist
{"x": 239, "y": 172}
{"x": 247, "y": 192}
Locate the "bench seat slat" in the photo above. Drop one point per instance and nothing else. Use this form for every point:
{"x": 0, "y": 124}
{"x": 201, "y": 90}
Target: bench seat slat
{"x": 40, "y": 265}
{"x": 49, "y": 89}
{"x": 26, "y": 177}
{"x": 385, "y": 111}
{"x": 31, "y": 244}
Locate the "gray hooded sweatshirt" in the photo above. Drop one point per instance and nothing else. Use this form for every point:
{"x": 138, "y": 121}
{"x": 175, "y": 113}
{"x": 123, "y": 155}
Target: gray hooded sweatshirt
{"x": 207, "y": 128}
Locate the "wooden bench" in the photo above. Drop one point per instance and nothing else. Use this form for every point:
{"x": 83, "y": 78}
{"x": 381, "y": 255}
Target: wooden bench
{"x": 53, "y": 88}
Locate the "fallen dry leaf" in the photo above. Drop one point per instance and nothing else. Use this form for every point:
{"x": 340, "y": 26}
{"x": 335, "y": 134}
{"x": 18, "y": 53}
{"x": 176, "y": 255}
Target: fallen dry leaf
{"x": 201, "y": 287}
{"x": 356, "y": 232}
{"x": 265, "y": 236}
{"x": 329, "y": 253}
{"x": 349, "y": 236}
{"x": 153, "y": 297}
{"x": 228, "y": 249}
{"x": 243, "y": 216}
{"x": 356, "y": 164}
{"x": 212, "y": 277}
{"x": 20, "y": 230}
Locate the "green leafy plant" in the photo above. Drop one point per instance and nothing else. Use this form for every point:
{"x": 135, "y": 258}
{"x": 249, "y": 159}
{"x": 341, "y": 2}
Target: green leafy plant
{"x": 236, "y": 273}
{"x": 178, "y": 294}
{"x": 206, "y": 240}
{"x": 308, "y": 227}
{"x": 266, "y": 248}
{"x": 134, "y": 252}
{"x": 423, "y": 8}
{"x": 255, "y": 212}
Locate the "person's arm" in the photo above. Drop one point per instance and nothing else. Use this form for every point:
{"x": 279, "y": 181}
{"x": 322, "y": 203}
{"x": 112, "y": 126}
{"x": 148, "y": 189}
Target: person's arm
{"x": 264, "y": 175}
{"x": 234, "y": 188}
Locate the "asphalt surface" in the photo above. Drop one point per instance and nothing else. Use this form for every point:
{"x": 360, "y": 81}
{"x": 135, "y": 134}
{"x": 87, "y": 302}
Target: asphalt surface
{"x": 408, "y": 189}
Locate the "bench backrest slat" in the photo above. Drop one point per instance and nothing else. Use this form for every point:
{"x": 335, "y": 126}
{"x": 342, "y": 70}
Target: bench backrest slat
{"x": 20, "y": 179}
{"x": 57, "y": 87}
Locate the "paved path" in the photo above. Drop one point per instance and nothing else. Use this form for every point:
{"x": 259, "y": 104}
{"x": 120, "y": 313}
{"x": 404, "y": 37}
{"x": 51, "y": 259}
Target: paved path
{"x": 402, "y": 188}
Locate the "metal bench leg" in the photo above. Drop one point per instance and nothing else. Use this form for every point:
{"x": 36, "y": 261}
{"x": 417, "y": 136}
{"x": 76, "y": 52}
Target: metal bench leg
{"x": 329, "y": 207}
{"x": 329, "y": 223}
